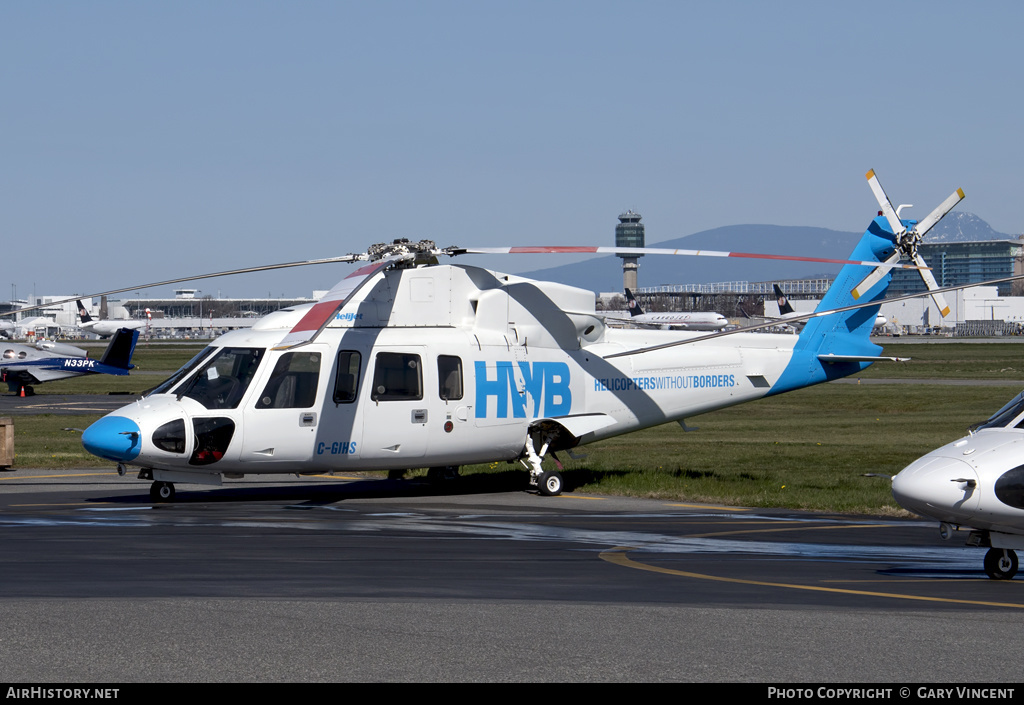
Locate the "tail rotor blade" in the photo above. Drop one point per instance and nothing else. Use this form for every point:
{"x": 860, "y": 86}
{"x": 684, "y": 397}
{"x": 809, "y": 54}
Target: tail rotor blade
{"x": 883, "y": 202}
{"x": 929, "y": 281}
{"x": 939, "y": 213}
{"x": 875, "y": 276}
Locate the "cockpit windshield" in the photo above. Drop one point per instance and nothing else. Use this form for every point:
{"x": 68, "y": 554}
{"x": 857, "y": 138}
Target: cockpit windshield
{"x": 1005, "y": 416}
{"x": 223, "y": 380}
{"x": 183, "y": 372}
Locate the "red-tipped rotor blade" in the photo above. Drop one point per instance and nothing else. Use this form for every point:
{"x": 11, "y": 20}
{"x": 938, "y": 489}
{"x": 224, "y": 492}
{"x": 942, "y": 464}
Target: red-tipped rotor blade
{"x": 317, "y": 318}
{"x": 551, "y": 249}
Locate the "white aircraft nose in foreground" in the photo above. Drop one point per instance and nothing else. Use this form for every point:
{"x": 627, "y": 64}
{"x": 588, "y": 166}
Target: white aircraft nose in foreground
{"x": 976, "y": 482}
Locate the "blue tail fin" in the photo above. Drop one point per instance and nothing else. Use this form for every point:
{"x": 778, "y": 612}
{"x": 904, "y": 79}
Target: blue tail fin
{"x": 119, "y": 351}
{"x": 842, "y": 335}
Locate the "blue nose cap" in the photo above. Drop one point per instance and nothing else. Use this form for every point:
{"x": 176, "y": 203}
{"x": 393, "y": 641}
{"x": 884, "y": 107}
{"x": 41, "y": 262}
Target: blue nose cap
{"x": 113, "y": 437}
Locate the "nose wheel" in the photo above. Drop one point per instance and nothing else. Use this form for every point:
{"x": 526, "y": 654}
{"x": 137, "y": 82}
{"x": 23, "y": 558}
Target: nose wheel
{"x": 161, "y": 492}
{"x": 1001, "y": 563}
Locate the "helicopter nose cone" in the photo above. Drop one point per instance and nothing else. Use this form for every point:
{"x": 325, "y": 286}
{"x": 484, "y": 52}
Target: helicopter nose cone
{"x": 942, "y": 488}
{"x": 115, "y": 438}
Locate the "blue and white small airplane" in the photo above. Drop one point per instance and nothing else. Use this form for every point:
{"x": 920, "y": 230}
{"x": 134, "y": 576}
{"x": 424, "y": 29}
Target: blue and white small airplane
{"x": 22, "y": 366}
{"x": 408, "y": 363}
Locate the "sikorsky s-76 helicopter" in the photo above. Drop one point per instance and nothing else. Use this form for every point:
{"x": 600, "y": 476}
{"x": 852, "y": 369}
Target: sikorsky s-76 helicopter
{"x": 408, "y": 363}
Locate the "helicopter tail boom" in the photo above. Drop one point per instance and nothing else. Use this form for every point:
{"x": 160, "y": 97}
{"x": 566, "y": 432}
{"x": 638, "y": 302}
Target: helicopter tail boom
{"x": 838, "y": 344}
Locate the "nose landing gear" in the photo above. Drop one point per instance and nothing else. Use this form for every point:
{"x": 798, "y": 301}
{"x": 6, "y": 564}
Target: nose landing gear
{"x": 161, "y": 492}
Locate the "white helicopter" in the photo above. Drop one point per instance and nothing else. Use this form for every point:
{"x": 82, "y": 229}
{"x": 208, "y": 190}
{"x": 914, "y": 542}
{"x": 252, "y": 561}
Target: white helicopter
{"x": 408, "y": 363}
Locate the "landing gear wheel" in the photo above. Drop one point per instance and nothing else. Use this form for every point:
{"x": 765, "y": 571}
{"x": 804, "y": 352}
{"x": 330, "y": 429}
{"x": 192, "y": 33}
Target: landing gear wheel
{"x": 161, "y": 492}
{"x": 1001, "y": 563}
{"x": 549, "y": 483}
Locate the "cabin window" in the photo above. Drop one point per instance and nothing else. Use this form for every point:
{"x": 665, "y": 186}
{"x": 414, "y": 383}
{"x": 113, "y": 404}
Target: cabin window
{"x": 449, "y": 377}
{"x": 212, "y": 437}
{"x": 346, "y": 380}
{"x": 397, "y": 377}
{"x": 222, "y": 382}
{"x": 293, "y": 383}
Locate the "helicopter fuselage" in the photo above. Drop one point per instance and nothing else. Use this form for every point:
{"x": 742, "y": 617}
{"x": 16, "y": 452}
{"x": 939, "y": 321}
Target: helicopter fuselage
{"x": 439, "y": 366}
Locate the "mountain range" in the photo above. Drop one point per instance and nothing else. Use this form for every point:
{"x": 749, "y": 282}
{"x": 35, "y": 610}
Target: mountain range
{"x": 604, "y": 274}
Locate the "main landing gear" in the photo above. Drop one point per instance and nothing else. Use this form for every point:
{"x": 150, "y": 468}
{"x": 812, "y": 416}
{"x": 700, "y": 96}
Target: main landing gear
{"x": 548, "y": 482}
{"x": 161, "y": 492}
{"x": 1001, "y": 563}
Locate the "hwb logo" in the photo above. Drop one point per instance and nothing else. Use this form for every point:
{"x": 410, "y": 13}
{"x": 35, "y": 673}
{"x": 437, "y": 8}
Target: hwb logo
{"x": 546, "y": 382}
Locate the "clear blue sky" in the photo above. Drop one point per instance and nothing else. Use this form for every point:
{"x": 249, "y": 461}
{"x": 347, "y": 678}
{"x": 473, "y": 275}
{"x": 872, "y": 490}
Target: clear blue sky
{"x": 145, "y": 140}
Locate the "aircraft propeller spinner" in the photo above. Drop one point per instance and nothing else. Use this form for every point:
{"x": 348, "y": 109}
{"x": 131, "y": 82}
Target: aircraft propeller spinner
{"x": 907, "y": 241}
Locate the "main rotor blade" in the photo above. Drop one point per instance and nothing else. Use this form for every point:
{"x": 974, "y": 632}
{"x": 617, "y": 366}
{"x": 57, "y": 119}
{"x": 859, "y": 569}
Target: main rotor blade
{"x": 883, "y": 202}
{"x": 939, "y": 213}
{"x": 808, "y": 316}
{"x": 179, "y": 280}
{"x": 317, "y": 317}
{"x": 929, "y": 281}
{"x": 544, "y": 249}
{"x": 876, "y": 276}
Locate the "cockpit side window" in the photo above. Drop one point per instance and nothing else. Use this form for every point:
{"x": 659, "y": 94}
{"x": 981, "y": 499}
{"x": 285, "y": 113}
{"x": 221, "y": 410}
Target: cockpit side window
{"x": 397, "y": 377}
{"x": 223, "y": 380}
{"x": 346, "y": 380}
{"x": 293, "y": 383}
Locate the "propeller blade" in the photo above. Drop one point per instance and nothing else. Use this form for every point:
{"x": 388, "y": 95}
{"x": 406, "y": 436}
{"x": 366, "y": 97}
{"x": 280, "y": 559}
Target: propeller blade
{"x": 317, "y": 317}
{"x": 545, "y": 249}
{"x": 875, "y": 276}
{"x": 883, "y": 202}
{"x": 929, "y": 281}
{"x": 939, "y": 213}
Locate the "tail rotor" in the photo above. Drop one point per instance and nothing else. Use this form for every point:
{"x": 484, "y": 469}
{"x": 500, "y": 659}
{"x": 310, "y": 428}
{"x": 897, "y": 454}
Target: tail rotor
{"x": 907, "y": 241}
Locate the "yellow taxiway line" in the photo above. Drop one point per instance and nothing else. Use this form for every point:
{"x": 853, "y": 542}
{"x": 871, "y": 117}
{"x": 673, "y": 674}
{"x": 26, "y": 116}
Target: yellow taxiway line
{"x": 618, "y": 556}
